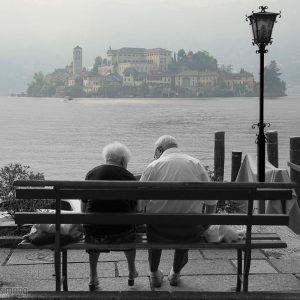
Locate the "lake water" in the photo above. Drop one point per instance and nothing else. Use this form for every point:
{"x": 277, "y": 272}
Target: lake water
{"x": 64, "y": 139}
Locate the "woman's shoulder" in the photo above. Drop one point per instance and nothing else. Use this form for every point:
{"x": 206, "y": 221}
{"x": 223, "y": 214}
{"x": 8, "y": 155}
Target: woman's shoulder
{"x": 128, "y": 175}
{"x": 96, "y": 172}
{"x": 109, "y": 172}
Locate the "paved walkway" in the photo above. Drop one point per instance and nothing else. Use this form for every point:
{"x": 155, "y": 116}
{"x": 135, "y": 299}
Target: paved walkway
{"x": 207, "y": 270}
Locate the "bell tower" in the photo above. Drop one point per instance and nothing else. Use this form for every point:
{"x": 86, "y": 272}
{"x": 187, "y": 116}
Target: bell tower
{"x": 77, "y": 60}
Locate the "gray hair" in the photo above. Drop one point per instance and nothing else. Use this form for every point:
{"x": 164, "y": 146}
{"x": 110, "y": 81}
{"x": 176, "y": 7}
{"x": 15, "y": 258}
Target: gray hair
{"x": 116, "y": 152}
{"x": 166, "y": 141}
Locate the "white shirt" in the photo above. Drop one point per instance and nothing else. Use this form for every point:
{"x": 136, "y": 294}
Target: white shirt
{"x": 173, "y": 165}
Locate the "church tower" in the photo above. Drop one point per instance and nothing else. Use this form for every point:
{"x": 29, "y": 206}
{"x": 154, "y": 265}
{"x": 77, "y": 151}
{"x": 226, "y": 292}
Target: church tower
{"x": 77, "y": 60}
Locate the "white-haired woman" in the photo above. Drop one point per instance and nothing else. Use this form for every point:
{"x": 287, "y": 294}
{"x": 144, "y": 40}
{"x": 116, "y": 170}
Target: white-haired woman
{"x": 116, "y": 157}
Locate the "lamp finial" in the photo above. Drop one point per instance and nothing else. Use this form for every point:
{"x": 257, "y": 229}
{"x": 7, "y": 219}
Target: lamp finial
{"x": 263, "y": 8}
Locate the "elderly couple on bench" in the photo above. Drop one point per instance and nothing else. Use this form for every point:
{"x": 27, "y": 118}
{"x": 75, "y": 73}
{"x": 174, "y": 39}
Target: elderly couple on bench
{"x": 170, "y": 164}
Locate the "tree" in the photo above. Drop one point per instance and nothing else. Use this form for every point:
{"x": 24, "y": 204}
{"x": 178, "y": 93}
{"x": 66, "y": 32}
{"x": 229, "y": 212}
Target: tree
{"x": 8, "y": 201}
{"x": 181, "y": 55}
{"x": 226, "y": 68}
{"x": 97, "y": 64}
{"x": 48, "y": 90}
{"x": 143, "y": 90}
{"x": 274, "y": 87}
{"x": 79, "y": 81}
{"x": 40, "y": 87}
{"x": 75, "y": 91}
{"x": 109, "y": 91}
{"x": 200, "y": 61}
{"x": 35, "y": 87}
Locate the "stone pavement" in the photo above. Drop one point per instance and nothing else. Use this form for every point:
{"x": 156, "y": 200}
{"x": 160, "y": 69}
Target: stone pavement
{"x": 207, "y": 270}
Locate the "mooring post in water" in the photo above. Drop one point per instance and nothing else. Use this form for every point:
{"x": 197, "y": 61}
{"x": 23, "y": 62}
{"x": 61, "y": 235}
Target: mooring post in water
{"x": 219, "y": 155}
{"x": 272, "y": 147}
{"x": 295, "y": 162}
{"x": 236, "y": 160}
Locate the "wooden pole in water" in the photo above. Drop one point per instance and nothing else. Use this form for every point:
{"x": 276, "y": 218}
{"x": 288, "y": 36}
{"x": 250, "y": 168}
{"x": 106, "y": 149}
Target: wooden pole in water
{"x": 272, "y": 147}
{"x": 236, "y": 160}
{"x": 219, "y": 155}
{"x": 295, "y": 161}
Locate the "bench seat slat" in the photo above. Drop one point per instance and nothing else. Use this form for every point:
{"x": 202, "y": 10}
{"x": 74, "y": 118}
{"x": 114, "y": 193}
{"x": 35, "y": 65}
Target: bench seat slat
{"x": 256, "y": 244}
{"x": 141, "y": 218}
{"x": 255, "y": 237}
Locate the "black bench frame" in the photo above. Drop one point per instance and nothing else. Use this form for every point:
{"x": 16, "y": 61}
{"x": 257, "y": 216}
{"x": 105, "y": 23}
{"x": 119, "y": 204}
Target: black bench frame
{"x": 111, "y": 190}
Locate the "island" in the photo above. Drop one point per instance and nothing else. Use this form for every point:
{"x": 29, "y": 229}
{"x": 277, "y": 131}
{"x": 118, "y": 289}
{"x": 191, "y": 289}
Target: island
{"x": 157, "y": 72}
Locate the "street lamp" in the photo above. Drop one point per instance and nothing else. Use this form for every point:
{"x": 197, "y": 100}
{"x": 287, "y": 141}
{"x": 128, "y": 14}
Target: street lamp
{"x": 262, "y": 25}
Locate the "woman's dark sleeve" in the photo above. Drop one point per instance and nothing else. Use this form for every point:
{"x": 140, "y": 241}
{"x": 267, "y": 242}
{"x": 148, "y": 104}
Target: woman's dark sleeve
{"x": 86, "y": 178}
{"x": 133, "y": 203}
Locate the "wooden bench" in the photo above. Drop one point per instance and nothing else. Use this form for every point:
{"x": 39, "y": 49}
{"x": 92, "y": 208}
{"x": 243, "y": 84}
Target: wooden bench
{"x": 111, "y": 190}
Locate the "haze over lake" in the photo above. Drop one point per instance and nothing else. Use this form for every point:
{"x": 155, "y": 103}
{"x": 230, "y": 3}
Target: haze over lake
{"x": 39, "y": 35}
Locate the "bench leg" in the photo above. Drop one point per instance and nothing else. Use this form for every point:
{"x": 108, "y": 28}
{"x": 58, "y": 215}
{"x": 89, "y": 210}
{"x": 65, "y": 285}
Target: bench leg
{"x": 247, "y": 263}
{"x": 239, "y": 270}
{"x": 65, "y": 269}
{"x": 57, "y": 268}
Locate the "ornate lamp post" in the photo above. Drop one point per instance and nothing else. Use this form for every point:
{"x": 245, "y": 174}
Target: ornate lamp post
{"x": 262, "y": 25}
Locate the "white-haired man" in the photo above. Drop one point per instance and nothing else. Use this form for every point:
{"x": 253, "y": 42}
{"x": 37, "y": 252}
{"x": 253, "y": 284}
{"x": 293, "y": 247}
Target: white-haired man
{"x": 116, "y": 157}
{"x": 171, "y": 164}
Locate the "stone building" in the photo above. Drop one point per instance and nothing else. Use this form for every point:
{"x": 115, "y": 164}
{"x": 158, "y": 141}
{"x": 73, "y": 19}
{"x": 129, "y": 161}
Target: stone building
{"x": 161, "y": 80}
{"x": 242, "y": 80}
{"x": 133, "y": 78}
{"x": 158, "y": 58}
{"x": 91, "y": 84}
{"x": 193, "y": 79}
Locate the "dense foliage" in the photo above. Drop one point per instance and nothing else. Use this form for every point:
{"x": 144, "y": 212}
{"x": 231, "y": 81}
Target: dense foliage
{"x": 199, "y": 61}
{"x": 76, "y": 90}
{"x": 97, "y": 64}
{"x": 274, "y": 87}
{"x": 8, "y": 201}
{"x": 40, "y": 87}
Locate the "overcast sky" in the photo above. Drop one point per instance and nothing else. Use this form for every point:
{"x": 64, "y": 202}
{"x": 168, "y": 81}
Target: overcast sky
{"x": 39, "y": 35}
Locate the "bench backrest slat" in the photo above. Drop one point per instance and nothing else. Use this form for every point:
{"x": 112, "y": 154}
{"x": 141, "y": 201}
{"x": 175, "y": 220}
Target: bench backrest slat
{"x": 140, "y": 218}
{"x": 139, "y": 184}
{"x": 175, "y": 193}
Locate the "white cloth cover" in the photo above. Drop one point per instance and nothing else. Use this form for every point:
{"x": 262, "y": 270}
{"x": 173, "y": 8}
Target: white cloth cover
{"x": 72, "y": 230}
{"x": 248, "y": 173}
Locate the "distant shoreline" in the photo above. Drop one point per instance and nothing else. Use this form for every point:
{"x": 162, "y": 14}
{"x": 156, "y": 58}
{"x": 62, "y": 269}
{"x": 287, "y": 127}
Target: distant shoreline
{"x": 204, "y": 97}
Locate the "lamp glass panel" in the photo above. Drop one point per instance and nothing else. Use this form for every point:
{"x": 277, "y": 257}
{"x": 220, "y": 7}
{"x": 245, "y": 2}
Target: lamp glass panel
{"x": 264, "y": 25}
{"x": 254, "y": 28}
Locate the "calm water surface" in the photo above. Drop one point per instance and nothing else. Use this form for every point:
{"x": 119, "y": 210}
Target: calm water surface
{"x": 64, "y": 139}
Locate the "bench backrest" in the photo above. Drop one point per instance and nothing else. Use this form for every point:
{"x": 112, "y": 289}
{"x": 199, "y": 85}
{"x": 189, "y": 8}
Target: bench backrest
{"x": 118, "y": 190}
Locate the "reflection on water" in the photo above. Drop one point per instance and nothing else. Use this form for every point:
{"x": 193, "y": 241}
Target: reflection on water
{"x": 64, "y": 139}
